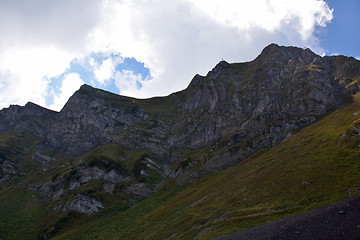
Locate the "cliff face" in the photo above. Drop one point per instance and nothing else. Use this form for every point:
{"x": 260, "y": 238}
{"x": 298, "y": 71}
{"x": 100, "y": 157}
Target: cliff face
{"x": 281, "y": 90}
{"x": 31, "y": 116}
{"x": 258, "y": 104}
{"x": 242, "y": 107}
{"x": 91, "y": 119}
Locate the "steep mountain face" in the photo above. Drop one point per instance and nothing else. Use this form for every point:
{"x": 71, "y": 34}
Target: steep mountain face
{"x": 251, "y": 105}
{"x": 31, "y": 116}
{"x": 282, "y": 90}
{"x": 260, "y": 103}
{"x": 132, "y": 144}
{"x": 88, "y": 120}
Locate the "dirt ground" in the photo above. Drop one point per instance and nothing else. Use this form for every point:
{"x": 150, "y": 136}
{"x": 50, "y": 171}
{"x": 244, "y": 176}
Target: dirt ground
{"x": 340, "y": 220}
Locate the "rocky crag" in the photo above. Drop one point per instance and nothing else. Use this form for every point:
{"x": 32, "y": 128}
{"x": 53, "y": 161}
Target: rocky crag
{"x": 219, "y": 120}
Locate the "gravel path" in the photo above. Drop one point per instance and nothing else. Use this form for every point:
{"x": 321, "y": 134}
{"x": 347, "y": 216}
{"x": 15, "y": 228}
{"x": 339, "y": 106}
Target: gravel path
{"x": 340, "y": 220}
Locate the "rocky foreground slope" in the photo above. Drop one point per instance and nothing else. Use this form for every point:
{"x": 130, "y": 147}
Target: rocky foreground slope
{"x": 339, "y": 220}
{"x": 101, "y": 143}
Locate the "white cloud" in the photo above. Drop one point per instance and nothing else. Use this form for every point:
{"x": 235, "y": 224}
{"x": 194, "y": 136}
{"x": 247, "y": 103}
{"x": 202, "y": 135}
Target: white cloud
{"x": 268, "y": 14}
{"x": 174, "y": 39}
{"x": 25, "y": 73}
{"x": 70, "y": 83}
{"x": 38, "y": 41}
{"x": 126, "y": 81}
{"x": 104, "y": 71}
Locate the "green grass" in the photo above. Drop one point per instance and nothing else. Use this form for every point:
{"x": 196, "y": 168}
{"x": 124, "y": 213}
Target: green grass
{"x": 311, "y": 169}
{"x": 312, "y": 67}
{"x": 24, "y": 214}
{"x": 112, "y": 156}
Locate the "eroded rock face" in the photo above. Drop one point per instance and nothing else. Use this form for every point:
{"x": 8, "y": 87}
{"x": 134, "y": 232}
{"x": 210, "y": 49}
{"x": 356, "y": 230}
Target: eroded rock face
{"x": 250, "y": 106}
{"x": 260, "y": 103}
{"x": 53, "y": 190}
{"x": 31, "y": 116}
{"x": 89, "y": 120}
{"x": 7, "y": 171}
{"x": 84, "y": 175}
{"x": 281, "y": 90}
{"x": 139, "y": 190}
{"x": 83, "y": 204}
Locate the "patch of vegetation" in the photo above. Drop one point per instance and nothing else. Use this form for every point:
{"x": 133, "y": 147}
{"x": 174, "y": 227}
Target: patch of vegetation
{"x": 246, "y": 143}
{"x": 104, "y": 162}
{"x": 91, "y": 187}
{"x": 114, "y": 156}
{"x": 13, "y": 143}
{"x": 313, "y": 67}
{"x": 23, "y": 215}
{"x": 144, "y": 173}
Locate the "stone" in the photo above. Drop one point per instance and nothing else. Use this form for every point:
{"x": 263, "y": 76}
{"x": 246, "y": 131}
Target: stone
{"x": 139, "y": 190}
{"x": 83, "y": 204}
{"x": 305, "y": 183}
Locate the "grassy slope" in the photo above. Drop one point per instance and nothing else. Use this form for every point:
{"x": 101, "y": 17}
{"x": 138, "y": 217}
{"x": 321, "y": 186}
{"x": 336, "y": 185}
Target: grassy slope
{"x": 25, "y": 214}
{"x": 19, "y": 209}
{"x": 311, "y": 169}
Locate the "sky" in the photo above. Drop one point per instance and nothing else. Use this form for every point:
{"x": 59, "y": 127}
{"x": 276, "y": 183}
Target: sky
{"x": 146, "y": 48}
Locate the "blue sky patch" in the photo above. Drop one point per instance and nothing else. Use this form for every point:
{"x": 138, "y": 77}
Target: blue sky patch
{"x": 86, "y": 73}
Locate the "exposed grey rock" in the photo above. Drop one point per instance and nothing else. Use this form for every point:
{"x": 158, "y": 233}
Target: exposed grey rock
{"x": 43, "y": 160}
{"x": 50, "y": 190}
{"x": 31, "y": 117}
{"x": 305, "y": 183}
{"x": 83, "y": 204}
{"x": 139, "y": 190}
{"x": 8, "y": 168}
{"x": 143, "y": 173}
{"x": 4, "y": 178}
{"x": 114, "y": 177}
{"x": 174, "y": 174}
{"x": 93, "y": 173}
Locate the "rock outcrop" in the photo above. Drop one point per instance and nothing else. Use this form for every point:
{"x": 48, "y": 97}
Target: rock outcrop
{"x": 83, "y": 204}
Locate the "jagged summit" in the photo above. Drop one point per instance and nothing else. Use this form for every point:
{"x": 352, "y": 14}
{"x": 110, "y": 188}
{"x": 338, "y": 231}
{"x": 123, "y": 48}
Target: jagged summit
{"x": 278, "y": 53}
{"x": 85, "y": 87}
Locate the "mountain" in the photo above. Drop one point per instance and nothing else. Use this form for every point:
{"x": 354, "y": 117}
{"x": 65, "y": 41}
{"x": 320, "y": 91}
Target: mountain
{"x": 61, "y": 173}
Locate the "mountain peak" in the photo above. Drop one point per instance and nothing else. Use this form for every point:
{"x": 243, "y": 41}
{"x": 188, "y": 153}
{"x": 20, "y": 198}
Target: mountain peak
{"x": 218, "y": 69}
{"x": 274, "y": 52}
{"x": 86, "y": 87}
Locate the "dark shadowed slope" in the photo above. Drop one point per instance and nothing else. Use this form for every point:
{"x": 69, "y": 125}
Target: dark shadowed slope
{"x": 340, "y": 220}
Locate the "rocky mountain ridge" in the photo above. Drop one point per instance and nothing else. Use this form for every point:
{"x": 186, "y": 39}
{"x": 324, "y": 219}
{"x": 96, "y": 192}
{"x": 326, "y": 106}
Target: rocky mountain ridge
{"x": 286, "y": 87}
{"x": 219, "y": 120}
